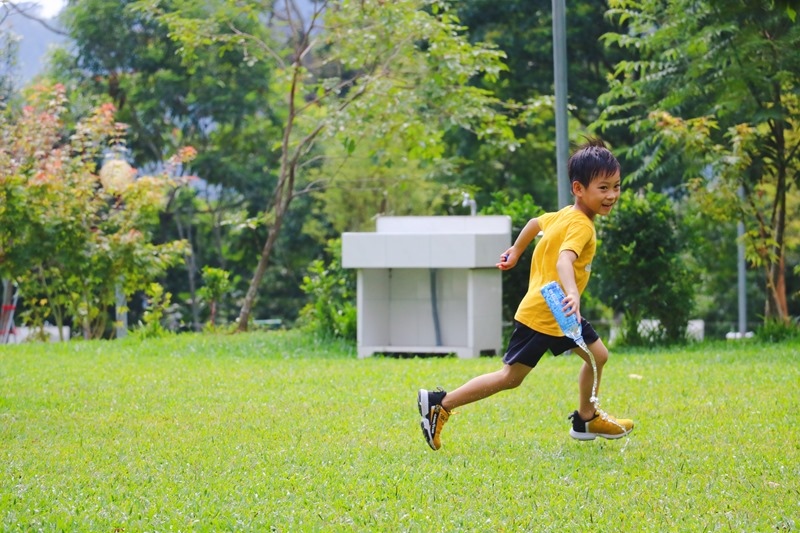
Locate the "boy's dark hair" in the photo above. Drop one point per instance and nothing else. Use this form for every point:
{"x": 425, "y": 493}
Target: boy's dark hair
{"x": 591, "y": 160}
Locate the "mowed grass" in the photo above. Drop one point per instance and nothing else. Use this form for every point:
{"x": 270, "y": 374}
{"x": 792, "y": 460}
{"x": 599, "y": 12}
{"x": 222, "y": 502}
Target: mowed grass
{"x": 270, "y": 432}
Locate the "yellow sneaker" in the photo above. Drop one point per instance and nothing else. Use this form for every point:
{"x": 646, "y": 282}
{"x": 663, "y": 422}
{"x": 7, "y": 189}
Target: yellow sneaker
{"x": 601, "y": 425}
{"x": 433, "y": 415}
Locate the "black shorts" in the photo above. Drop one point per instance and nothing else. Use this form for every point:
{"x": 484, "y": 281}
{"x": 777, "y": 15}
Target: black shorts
{"x": 527, "y": 346}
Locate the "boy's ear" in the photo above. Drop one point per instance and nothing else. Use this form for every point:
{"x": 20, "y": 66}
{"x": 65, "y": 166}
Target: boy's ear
{"x": 577, "y": 188}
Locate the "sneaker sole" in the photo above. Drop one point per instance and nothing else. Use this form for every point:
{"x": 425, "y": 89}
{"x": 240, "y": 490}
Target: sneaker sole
{"x": 579, "y": 435}
{"x": 425, "y": 408}
{"x": 422, "y": 403}
{"x": 426, "y": 432}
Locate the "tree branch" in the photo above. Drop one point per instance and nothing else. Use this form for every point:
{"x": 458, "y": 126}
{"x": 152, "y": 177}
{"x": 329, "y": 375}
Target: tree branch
{"x": 12, "y": 6}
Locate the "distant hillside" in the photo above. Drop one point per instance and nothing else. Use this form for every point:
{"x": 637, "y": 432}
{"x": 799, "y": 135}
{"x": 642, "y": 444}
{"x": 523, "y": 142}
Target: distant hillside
{"x": 35, "y": 41}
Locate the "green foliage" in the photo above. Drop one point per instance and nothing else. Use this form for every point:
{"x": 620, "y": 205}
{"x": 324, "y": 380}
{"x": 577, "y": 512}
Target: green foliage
{"x": 331, "y": 311}
{"x": 520, "y": 209}
{"x": 416, "y": 72}
{"x": 158, "y": 302}
{"x": 711, "y": 98}
{"x": 395, "y": 103}
{"x": 217, "y": 100}
{"x": 524, "y": 30}
{"x": 70, "y": 234}
{"x": 773, "y": 330}
{"x": 216, "y": 283}
{"x": 395, "y": 76}
{"x": 714, "y": 252}
{"x": 189, "y": 432}
{"x": 418, "y": 85}
{"x": 375, "y": 180}
{"x": 640, "y": 269}
{"x": 167, "y": 102}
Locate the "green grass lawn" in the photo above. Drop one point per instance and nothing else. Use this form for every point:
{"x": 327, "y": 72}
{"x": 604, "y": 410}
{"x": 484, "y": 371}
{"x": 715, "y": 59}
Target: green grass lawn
{"x": 265, "y": 432}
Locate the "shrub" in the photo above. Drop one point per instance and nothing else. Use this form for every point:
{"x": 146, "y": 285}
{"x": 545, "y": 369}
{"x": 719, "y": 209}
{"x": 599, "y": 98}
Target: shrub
{"x": 216, "y": 283}
{"x": 158, "y": 304}
{"x": 74, "y": 232}
{"x": 521, "y": 210}
{"x": 777, "y": 330}
{"x": 331, "y": 310}
{"x": 640, "y": 269}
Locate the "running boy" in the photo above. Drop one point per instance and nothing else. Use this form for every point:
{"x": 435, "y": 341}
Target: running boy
{"x": 564, "y": 253}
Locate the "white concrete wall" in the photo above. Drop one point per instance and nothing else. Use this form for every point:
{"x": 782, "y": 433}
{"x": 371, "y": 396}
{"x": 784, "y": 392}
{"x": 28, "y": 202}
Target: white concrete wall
{"x": 23, "y": 334}
{"x": 395, "y": 299}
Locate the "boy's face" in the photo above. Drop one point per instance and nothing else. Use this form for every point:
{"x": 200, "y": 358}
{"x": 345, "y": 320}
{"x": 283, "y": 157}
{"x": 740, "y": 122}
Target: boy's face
{"x": 600, "y": 196}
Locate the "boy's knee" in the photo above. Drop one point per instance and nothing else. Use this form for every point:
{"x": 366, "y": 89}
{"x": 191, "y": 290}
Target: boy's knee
{"x": 512, "y": 380}
{"x": 600, "y": 354}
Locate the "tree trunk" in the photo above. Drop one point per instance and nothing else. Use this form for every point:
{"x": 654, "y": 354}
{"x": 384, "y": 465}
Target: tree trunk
{"x": 249, "y": 300}
{"x": 283, "y": 197}
{"x": 284, "y": 193}
{"x": 777, "y": 304}
{"x": 191, "y": 267}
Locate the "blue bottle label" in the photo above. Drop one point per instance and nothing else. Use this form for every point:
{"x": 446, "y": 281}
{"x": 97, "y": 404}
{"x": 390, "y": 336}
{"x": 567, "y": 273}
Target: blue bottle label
{"x": 554, "y": 296}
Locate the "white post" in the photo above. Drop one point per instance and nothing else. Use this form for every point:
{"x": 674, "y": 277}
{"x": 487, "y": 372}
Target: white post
{"x": 121, "y": 311}
{"x": 741, "y": 274}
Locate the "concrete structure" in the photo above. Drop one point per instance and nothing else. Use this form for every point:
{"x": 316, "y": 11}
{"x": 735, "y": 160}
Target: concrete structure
{"x": 45, "y": 333}
{"x": 429, "y": 284}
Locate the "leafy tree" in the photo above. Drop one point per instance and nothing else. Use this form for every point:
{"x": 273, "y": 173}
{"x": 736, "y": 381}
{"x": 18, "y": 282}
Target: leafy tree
{"x": 215, "y": 102}
{"x": 712, "y": 95}
{"x": 640, "y": 269}
{"x": 166, "y": 102}
{"x": 523, "y": 29}
{"x": 397, "y": 73}
{"x": 715, "y": 253}
{"x": 71, "y": 233}
{"x": 365, "y": 186}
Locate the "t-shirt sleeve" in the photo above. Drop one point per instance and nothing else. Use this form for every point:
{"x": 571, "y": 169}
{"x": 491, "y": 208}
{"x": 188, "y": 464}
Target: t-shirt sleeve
{"x": 578, "y": 235}
{"x": 544, "y": 219}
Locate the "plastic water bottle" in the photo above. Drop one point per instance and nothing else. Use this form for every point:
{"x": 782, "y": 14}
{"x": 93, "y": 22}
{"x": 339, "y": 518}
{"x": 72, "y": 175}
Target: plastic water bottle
{"x": 554, "y": 296}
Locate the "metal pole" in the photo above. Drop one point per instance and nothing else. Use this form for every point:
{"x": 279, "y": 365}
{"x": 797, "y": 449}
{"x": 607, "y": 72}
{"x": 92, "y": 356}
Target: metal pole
{"x": 5, "y": 310}
{"x": 741, "y": 275}
{"x": 560, "y": 87}
{"x": 121, "y": 311}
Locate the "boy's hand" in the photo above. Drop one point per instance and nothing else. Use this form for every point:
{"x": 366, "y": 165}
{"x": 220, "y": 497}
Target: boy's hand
{"x": 566, "y": 274}
{"x": 508, "y": 259}
{"x": 572, "y": 305}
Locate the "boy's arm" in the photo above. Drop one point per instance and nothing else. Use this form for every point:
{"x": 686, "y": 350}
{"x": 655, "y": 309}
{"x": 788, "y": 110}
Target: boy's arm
{"x": 566, "y": 273}
{"x": 510, "y": 257}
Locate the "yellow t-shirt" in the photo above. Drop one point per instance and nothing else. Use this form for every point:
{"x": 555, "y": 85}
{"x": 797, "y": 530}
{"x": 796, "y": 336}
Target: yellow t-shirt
{"x": 567, "y": 229}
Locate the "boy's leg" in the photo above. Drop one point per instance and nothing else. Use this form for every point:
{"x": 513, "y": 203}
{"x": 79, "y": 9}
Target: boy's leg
{"x": 586, "y": 377}
{"x": 435, "y": 406}
{"x": 480, "y": 387}
{"x": 586, "y": 422}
